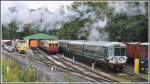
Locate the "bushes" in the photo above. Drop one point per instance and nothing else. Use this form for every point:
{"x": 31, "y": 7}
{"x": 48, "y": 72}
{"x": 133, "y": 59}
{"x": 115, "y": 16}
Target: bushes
{"x": 28, "y": 75}
{"x": 15, "y": 73}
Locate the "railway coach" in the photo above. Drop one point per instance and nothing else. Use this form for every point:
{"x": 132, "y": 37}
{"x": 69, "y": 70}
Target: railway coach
{"x": 139, "y": 50}
{"x": 143, "y": 47}
{"x": 133, "y": 50}
{"x": 49, "y": 45}
{"x": 111, "y": 54}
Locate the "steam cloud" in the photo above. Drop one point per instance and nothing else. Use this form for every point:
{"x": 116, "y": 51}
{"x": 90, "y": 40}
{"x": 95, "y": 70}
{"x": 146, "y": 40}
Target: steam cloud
{"x": 129, "y": 8}
{"x": 42, "y": 18}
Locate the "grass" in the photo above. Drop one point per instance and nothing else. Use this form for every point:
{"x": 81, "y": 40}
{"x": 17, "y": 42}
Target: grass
{"x": 67, "y": 77}
{"x": 12, "y": 72}
{"x": 12, "y": 75}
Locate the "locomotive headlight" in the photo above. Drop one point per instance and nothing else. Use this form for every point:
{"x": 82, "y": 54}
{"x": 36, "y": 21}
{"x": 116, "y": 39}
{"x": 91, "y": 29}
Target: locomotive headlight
{"x": 113, "y": 60}
{"x": 121, "y": 60}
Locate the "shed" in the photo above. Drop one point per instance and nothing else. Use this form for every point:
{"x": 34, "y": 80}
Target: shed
{"x": 40, "y": 36}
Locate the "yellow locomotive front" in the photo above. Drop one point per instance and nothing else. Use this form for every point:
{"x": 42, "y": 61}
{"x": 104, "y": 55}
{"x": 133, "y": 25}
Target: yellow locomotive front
{"x": 21, "y": 46}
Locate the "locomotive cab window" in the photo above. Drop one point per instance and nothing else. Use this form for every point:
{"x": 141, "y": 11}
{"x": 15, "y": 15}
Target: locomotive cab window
{"x": 120, "y": 51}
{"x": 111, "y": 51}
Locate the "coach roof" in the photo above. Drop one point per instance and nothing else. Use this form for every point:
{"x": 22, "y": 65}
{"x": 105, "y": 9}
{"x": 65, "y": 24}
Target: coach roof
{"x": 97, "y": 43}
{"x": 107, "y": 44}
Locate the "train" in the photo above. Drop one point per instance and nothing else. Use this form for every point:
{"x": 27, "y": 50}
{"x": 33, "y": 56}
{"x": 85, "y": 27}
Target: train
{"x": 52, "y": 47}
{"x": 139, "y": 50}
{"x": 8, "y": 46}
{"x": 21, "y": 46}
{"x": 111, "y": 54}
{"x": 33, "y": 43}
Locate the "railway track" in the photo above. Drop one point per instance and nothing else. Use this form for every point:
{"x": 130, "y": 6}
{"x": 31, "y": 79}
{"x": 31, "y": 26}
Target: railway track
{"x": 64, "y": 65}
{"x": 86, "y": 68}
{"x": 71, "y": 66}
{"x": 60, "y": 67}
{"x": 81, "y": 69}
{"x": 48, "y": 62}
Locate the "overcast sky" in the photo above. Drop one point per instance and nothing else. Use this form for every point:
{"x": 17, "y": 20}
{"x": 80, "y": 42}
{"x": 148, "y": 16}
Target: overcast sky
{"x": 51, "y": 5}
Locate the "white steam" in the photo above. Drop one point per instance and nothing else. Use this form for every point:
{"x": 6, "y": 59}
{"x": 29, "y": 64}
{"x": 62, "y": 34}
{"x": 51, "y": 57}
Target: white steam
{"x": 42, "y": 18}
{"x": 97, "y": 33}
{"x": 129, "y": 8}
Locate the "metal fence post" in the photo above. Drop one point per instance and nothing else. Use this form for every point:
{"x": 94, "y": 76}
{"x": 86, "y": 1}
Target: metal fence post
{"x": 52, "y": 68}
{"x": 73, "y": 58}
{"x": 93, "y": 66}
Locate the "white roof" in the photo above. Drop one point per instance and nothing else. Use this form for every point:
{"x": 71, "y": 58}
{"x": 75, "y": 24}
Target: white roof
{"x": 64, "y": 40}
{"x": 133, "y": 43}
{"x": 5, "y": 40}
{"x": 105, "y": 44}
{"x": 76, "y": 42}
{"x": 97, "y": 43}
{"x": 94, "y": 43}
{"x": 145, "y": 43}
{"x": 49, "y": 41}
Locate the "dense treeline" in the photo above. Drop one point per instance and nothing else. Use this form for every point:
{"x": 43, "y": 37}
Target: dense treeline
{"x": 124, "y": 28}
{"x": 120, "y": 27}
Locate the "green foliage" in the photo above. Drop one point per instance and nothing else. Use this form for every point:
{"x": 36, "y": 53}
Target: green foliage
{"x": 16, "y": 74}
{"x": 125, "y": 28}
{"x": 11, "y": 76}
{"x": 71, "y": 29}
{"x": 10, "y": 31}
{"x": 28, "y": 75}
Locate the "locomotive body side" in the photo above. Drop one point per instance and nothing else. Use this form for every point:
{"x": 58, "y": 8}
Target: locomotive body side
{"x": 112, "y": 54}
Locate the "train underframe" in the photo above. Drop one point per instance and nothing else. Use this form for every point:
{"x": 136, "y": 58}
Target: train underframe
{"x": 86, "y": 60}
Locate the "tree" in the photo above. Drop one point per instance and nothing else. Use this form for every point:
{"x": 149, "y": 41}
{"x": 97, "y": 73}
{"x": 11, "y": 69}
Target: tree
{"x": 70, "y": 30}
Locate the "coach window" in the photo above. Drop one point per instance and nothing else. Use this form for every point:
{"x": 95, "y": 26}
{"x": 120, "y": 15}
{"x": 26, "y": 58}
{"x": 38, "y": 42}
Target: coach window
{"x": 71, "y": 46}
{"x": 76, "y": 46}
{"x": 105, "y": 52}
{"x": 50, "y": 45}
{"x": 56, "y": 45}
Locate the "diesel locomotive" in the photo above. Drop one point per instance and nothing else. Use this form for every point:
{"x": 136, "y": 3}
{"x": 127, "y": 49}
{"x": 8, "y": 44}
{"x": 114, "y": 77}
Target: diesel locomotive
{"x": 111, "y": 54}
{"x": 21, "y": 46}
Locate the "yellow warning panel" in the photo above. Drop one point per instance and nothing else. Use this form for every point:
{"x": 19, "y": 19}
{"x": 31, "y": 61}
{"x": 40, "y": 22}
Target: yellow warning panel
{"x": 136, "y": 65}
